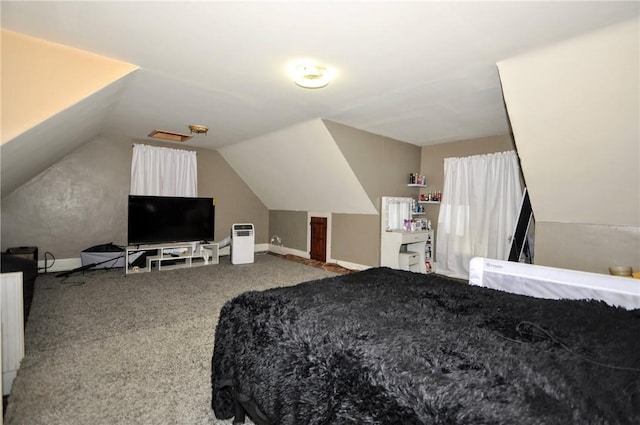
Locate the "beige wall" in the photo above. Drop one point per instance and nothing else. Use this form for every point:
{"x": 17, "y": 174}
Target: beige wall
{"x": 299, "y": 168}
{"x": 290, "y": 227}
{"x": 574, "y": 109}
{"x": 235, "y": 202}
{"x": 356, "y": 238}
{"x": 81, "y": 201}
{"x": 382, "y": 166}
{"x": 580, "y": 246}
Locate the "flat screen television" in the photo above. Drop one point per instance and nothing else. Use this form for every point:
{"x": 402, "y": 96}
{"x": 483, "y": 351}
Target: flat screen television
{"x": 163, "y": 219}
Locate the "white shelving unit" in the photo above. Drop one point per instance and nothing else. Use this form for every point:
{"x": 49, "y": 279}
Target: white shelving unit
{"x": 408, "y": 261}
{"x": 429, "y": 251}
{"x": 173, "y": 256}
{"x": 417, "y": 213}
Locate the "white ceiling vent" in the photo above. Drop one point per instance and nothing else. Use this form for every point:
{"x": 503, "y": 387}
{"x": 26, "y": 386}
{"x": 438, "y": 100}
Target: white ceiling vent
{"x": 168, "y": 135}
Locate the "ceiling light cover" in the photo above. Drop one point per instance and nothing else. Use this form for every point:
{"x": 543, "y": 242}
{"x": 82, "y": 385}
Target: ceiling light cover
{"x": 198, "y": 129}
{"x": 311, "y": 76}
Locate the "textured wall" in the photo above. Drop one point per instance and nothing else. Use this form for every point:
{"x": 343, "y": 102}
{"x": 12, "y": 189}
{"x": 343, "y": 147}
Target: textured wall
{"x": 235, "y": 202}
{"x": 81, "y": 201}
{"x": 287, "y": 225}
{"x": 356, "y": 238}
{"x": 78, "y": 202}
{"x": 382, "y": 166}
{"x": 587, "y": 247}
{"x": 299, "y": 168}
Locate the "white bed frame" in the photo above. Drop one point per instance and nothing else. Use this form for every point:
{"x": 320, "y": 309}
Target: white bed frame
{"x": 554, "y": 283}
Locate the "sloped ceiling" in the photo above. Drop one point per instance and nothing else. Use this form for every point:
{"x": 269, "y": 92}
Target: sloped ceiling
{"x": 41, "y": 79}
{"x": 418, "y": 72}
{"x": 32, "y": 152}
{"x": 581, "y": 153}
{"x": 54, "y": 99}
{"x": 279, "y": 164}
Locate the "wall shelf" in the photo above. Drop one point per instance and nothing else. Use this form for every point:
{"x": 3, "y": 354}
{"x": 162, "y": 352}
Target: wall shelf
{"x": 416, "y": 185}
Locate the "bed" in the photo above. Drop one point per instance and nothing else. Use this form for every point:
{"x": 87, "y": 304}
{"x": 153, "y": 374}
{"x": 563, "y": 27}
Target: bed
{"x": 385, "y": 346}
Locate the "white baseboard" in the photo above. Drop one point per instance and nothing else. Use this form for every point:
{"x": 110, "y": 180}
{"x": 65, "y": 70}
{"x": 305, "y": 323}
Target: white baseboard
{"x": 261, "y": 247}
{"x": 60, "y": 265}
{"x": 283, "y": 250}
{"x": 66, "y": 264}
{"x": 352, "y": 266}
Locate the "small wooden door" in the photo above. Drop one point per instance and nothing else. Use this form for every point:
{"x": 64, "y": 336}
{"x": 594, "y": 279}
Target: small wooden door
{"x": 318, "y": 239}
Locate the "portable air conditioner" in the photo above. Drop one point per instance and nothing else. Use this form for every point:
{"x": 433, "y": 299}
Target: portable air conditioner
{"x": 242, "y": 243}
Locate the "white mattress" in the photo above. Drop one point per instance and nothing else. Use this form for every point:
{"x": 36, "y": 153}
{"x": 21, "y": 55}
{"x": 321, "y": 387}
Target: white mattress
{"x": 554, "y": 283}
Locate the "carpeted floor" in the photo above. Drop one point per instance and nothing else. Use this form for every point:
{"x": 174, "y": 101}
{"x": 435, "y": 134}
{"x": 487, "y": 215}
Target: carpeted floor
{"x": 105, "y": 348}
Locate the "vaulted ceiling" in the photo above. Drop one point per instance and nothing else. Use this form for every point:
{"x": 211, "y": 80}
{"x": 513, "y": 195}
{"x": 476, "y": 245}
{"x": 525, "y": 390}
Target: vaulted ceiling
{"x": 418, "y": 72}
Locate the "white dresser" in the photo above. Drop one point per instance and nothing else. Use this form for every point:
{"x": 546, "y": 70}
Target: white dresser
{"x": 404, "y": 250}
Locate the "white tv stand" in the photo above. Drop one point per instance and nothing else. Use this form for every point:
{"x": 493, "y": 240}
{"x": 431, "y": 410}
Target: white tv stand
{"x": 173, "y": 256}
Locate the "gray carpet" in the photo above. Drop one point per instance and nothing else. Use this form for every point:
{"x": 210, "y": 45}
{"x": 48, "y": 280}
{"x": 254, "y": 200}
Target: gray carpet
{"x": 102, "y": 348}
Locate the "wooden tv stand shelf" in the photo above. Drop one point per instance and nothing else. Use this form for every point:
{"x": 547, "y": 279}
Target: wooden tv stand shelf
{"x": 172, "y": 256}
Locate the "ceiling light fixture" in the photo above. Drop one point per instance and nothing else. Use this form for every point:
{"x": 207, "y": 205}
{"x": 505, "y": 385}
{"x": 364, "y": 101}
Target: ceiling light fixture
{"x": 309, "y": 75}
{"x": 198, "y": 129}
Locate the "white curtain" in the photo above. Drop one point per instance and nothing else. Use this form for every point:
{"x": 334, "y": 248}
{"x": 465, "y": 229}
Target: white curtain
{"x": 479, "y": 208}
{"x": 163, "y": 172}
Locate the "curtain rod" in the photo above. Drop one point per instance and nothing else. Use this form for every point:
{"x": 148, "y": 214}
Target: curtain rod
{"x": 164, "y": 147}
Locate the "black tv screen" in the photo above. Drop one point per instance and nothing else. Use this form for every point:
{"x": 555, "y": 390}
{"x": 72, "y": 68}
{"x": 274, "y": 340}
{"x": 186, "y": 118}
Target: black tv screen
{"x": 162, "y": 219}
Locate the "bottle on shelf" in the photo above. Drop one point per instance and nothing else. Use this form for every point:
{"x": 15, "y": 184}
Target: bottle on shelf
{"x": 417, "y": 179}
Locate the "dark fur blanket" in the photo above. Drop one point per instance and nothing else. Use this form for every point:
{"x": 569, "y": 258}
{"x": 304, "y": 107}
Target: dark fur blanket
{"x": 385, "y": 346}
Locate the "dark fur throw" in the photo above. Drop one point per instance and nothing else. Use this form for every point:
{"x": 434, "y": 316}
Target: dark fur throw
{"x": 385, "y": 346}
